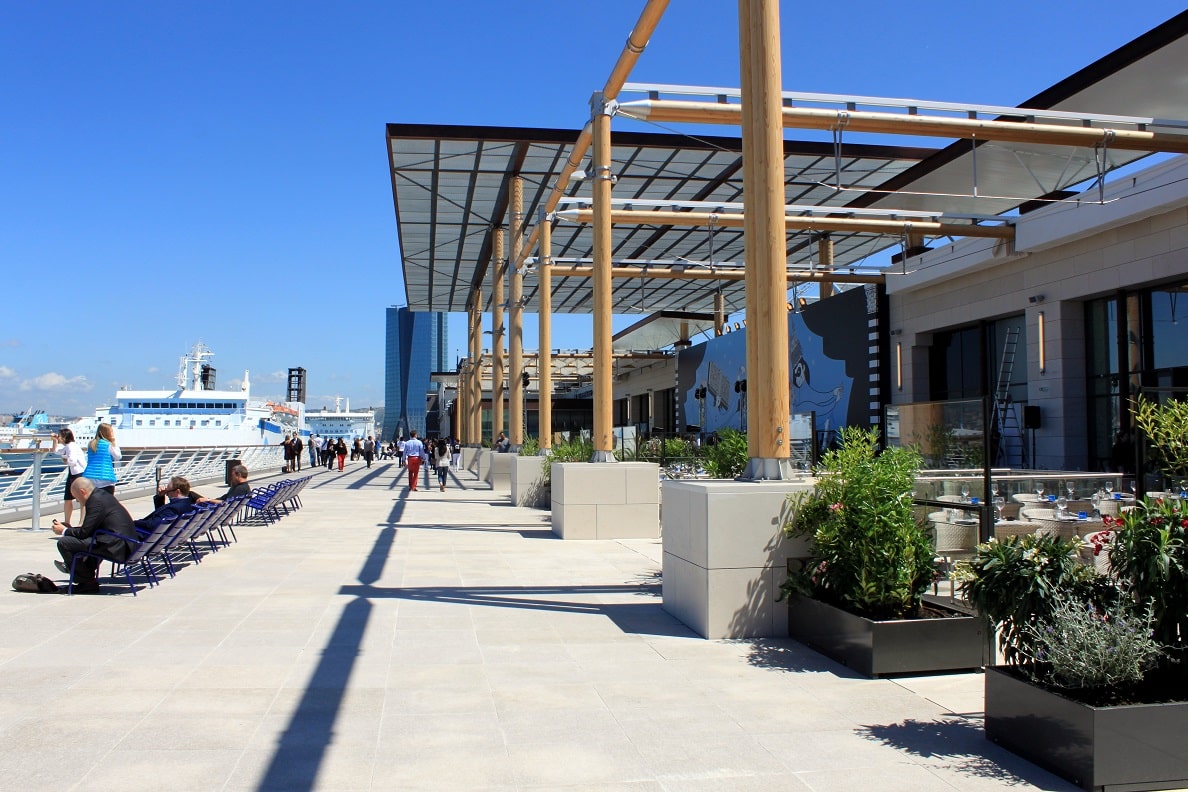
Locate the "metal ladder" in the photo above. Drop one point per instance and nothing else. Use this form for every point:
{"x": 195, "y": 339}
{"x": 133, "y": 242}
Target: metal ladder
{"x": 1011, "y": 447}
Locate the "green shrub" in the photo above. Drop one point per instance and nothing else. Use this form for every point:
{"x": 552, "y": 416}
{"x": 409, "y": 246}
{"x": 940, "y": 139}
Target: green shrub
{"x": 575, "y": 449}
{"x": 728, "y": 457}
{"x": 1166, "y": 428}
{"x": 1149, "y": 558}
{"x": 1019, "y": 582}
{"x": 869, "y": 553}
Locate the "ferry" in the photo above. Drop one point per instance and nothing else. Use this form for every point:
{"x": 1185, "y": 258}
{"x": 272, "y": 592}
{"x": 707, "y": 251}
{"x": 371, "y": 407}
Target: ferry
{"x": 342, "y": 423}
{"x": 195, "y": 413}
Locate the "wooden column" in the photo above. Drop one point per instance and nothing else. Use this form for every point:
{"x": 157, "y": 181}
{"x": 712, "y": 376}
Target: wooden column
{"x": 516, "y": 339}
{"x": 768, "y": 400}
{"x": 825, "y": 260}
{"x": 544, "y": 375}
{"x": 475, "y": 399}
{"x": 603, "y": 407}
{"x": 461, "y": 393}
{"x": 497, "y": 269}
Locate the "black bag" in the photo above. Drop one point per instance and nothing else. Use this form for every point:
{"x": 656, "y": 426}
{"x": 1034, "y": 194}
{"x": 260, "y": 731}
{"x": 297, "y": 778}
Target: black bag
{"x": 33, "y": 583}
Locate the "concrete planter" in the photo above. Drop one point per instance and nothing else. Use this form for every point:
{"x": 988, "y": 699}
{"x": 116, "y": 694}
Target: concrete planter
{"x": 1131, "y": 747}
{"x": 878, "y": 648}
{"x": 607, "y": 500}
{"x": 528, "y": 486}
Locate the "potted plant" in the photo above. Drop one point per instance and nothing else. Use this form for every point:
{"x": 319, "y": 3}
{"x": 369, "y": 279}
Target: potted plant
{"x": 858, "y": 596}
{"x": 1166, "y": 428}
{"x": 1093, "y": 687}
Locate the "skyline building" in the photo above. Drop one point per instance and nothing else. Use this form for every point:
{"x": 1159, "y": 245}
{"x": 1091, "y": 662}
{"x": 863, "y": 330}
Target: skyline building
{"x": 416, "y": 347}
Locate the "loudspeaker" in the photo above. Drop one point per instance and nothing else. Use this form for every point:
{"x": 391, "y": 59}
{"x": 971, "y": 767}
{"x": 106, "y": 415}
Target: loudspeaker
{"x": 1031, "y": 416}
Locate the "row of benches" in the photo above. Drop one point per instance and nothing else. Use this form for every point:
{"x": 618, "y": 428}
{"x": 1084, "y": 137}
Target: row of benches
{"x": 159, "y": 549}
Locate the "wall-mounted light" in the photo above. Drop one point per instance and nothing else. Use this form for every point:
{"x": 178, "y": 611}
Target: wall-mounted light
{"x": 899, "y": 365}
{"x": 1035, "y": 299}
{"x": 1043, "y": 355}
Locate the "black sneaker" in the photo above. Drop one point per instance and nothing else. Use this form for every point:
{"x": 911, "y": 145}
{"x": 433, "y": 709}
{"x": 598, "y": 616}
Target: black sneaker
{"x": 61, "y": 567}
{"x": 86, "y": 588}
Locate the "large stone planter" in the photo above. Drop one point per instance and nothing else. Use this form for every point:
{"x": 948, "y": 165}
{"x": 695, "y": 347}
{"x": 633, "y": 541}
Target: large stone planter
{"x": 725, "y": 555}
{"x": 606, "y": 500}
{"x": 1132, "y": 747}
{"x": 878, "y": 648}
{"x": 528, "y": 487}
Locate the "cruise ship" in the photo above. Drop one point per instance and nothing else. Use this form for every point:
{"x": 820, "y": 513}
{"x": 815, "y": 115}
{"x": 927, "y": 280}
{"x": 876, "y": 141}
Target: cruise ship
{"x": 342, "y": 423}
{"x": 195, "y": 413}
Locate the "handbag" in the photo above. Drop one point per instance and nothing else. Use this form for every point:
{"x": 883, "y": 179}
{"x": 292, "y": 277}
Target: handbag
{"x": 33, "y": 583}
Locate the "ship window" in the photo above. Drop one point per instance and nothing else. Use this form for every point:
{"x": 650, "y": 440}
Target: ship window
{"x": 206, "y": 423}
{"x": 152, "y": 422}
{"x": 218, "y": 423}
{"x": 139, "y": 422}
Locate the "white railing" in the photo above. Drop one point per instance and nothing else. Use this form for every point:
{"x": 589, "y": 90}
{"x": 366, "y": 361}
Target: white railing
{"x": 138, "y": 473}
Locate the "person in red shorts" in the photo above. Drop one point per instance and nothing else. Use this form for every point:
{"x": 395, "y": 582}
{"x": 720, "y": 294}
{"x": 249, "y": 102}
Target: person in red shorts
{"x": 414, "y": 453}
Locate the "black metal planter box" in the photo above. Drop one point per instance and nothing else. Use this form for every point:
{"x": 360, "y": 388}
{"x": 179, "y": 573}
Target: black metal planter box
{"x": 1132, "y": 747}
{"x": 878, "y": 648}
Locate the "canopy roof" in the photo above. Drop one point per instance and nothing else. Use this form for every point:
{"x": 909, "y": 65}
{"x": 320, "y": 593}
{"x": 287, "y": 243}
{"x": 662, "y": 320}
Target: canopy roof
{"x": 450, "y": 187}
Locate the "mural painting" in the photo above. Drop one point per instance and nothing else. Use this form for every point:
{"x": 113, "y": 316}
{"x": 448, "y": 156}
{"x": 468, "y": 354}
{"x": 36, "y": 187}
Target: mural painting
{"x": 832, "y": 368}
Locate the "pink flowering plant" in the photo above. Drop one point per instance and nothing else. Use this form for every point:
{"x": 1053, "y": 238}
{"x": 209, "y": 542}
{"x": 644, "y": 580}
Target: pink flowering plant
{"x": 1069, "y": 626}
{"x": 1149, "y": 558}
{"x": 869, "y": 553}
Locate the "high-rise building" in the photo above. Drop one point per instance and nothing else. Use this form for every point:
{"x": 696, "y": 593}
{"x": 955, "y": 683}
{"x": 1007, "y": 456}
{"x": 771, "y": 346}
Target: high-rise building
{"x": 416, "y": 347}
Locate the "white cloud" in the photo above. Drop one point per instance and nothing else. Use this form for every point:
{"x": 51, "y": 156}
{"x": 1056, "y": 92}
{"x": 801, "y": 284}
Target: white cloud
{"x": 52, "y": 381}
{"x": 152, "y": 370}
{"x": 6, "y": 372}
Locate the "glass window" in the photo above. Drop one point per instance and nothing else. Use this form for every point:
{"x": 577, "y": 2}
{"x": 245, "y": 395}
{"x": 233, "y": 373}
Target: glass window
{"x": 1169, "y": 339}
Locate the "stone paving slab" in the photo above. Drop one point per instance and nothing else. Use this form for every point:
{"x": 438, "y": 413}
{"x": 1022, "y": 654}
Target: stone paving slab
{"x": 378, "y": 639}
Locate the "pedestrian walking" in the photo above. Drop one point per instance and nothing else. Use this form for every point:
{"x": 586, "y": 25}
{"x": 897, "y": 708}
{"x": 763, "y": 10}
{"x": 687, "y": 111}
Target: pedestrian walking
{"x": 441, "y": 461}
{"x": 414, "y": 452}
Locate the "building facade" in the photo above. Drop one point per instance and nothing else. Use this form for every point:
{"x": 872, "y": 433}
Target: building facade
{"x": 415, "y": 348}
{"x": 1075, "y": 321}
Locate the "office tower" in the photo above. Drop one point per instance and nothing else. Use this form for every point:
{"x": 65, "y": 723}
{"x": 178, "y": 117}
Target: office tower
{"x": 416, "y": 347}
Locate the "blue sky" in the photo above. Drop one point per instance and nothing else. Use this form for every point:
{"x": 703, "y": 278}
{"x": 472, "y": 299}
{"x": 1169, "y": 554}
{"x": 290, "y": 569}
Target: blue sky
{"x": 174, "y": 171}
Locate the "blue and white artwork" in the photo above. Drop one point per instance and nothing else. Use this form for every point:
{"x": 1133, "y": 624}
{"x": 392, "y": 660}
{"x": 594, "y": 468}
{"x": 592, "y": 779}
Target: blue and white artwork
{"x": 829, "y": 368}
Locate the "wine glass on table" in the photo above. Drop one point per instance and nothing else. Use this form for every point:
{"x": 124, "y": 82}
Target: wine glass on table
{"x": 1109, "y": 488}
{"x": 1072, "y": 489}
{"x": 1061, "y": 506}
{"x": 999, "y": 503}
{"x": 1039, "y": 490}
{"x": 964, "y": 492}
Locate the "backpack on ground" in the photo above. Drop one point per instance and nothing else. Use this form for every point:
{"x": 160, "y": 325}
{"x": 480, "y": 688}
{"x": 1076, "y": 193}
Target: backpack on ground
{"x": 33, "y": 583}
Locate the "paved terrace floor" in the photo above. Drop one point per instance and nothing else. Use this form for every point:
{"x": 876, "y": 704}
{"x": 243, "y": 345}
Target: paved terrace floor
{"x": 382, "y": 640}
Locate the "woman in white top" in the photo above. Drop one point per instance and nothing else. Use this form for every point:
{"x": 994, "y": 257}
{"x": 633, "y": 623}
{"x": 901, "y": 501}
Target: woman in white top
{"x": 441, "y": 461}
{"x": 76, "y": 462}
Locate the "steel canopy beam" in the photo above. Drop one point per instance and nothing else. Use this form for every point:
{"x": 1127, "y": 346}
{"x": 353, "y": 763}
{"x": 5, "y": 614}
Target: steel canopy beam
{"x": 677, "y": 111}
{"x": 853, "y": 225}
{"x": 799, "y": 276}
